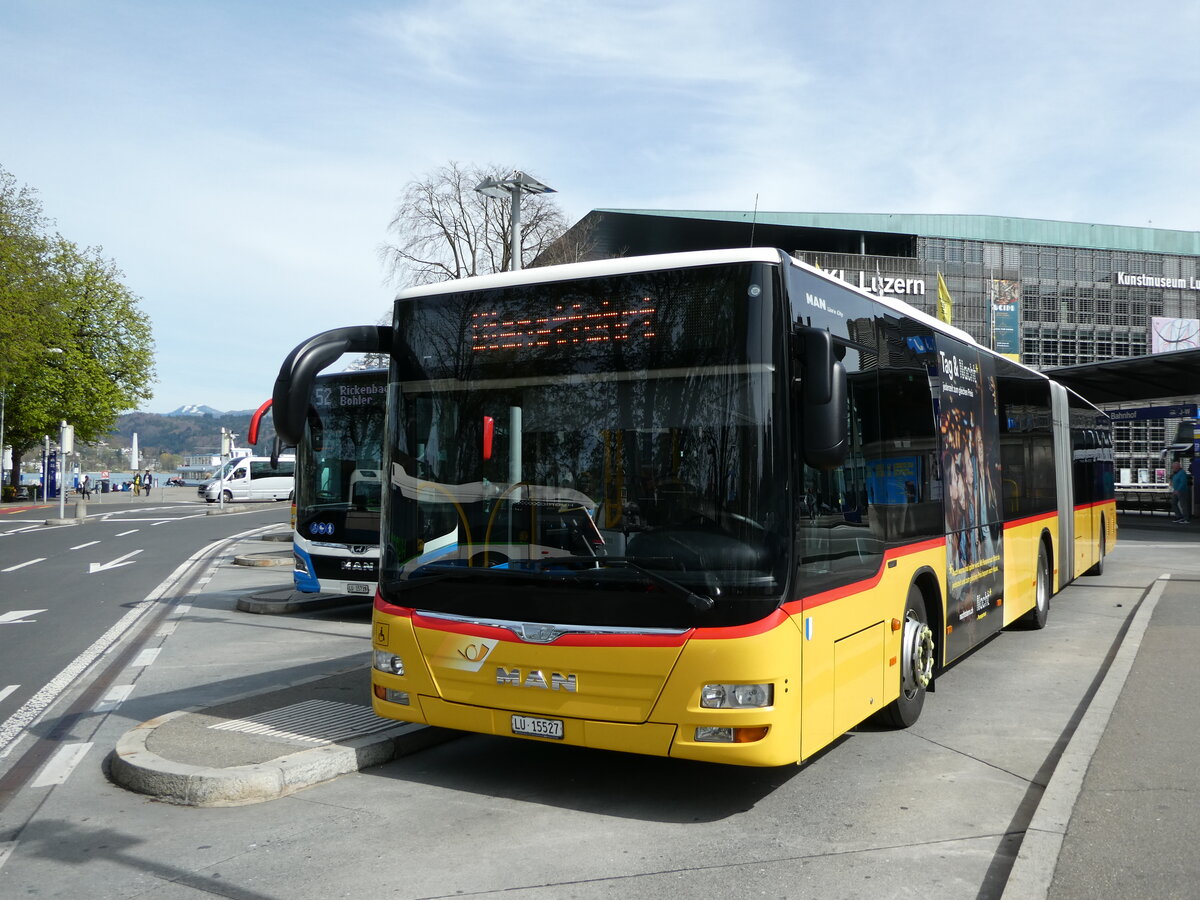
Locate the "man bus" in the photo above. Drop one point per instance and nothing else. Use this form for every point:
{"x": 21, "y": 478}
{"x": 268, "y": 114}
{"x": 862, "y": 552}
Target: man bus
{"x": 338, "y": 485}
{"x": 717, "y": 505}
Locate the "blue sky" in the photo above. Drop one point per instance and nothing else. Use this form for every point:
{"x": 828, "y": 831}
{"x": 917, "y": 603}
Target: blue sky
{"x": 241, "y": 160}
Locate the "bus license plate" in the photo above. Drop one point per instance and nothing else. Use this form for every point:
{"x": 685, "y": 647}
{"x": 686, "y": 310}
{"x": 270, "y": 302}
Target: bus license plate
{"x": 358, "y": 588}
{"x": 546, "y": 728}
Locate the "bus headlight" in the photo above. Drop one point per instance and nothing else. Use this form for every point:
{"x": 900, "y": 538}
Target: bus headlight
{"x": 387, "y": 662}
{"x": 737, "y": 696}
{"x": 301, "y": 565}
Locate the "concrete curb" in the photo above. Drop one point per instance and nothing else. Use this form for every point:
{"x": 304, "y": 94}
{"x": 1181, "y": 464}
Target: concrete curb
{"x": 136, "y": 767}
{"x": 279, "y": 601}
{"x": 1037, "y": 859}
{"x": 268, "y": 558}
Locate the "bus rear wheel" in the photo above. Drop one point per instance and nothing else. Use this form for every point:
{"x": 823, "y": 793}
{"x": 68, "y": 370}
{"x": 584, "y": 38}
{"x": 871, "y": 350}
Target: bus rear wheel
{"x": 1098, "y": 568}
{"x": 916, "y": 663}
{"x": 1036, "y": 617}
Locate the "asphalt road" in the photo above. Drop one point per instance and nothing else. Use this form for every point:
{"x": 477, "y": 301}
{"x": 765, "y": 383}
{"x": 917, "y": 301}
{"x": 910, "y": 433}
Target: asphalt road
{"x": 68, "y": 592}
{"x": 938, "y": 809}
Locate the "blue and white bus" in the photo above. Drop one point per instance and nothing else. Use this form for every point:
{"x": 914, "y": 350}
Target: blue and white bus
{"x": 339, "y": 479}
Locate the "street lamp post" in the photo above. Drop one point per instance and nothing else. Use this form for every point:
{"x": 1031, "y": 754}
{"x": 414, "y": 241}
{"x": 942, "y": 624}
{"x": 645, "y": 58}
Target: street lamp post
{"x": 513, "y": 186}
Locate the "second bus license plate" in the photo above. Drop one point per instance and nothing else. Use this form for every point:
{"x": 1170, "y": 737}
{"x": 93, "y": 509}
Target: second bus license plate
{"x": 546, "y": 728}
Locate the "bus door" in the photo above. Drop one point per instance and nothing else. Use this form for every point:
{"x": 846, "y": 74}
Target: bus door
{"x": 1061, "y": 419}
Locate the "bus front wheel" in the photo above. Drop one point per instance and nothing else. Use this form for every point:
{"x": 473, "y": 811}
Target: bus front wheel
{"x": 916, "y": 663}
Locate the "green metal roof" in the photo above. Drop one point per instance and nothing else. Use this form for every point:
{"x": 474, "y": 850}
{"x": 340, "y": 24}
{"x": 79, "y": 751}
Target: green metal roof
{"x": 1000, "y": 229}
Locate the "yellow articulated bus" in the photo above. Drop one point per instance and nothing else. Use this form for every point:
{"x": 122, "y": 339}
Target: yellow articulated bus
{"x": 716, "y": 506}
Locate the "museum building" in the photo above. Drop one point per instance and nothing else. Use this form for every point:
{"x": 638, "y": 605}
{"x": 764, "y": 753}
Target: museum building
{"x": 1047, "y": 293}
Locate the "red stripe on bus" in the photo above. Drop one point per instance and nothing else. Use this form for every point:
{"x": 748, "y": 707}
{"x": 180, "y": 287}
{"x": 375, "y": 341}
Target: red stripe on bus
{"x": 500, "y": 633}
{"x": 805, "y": 603}
{"x": 1029, "y": 520}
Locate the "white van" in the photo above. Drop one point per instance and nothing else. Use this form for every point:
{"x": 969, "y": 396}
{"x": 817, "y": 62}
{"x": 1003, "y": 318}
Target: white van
{"x": 252, "y": 478}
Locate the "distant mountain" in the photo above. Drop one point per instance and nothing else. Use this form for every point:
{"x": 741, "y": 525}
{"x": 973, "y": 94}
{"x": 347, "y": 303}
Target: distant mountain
{"x": 186, "y": 433}
{"x": 192, "y": 409}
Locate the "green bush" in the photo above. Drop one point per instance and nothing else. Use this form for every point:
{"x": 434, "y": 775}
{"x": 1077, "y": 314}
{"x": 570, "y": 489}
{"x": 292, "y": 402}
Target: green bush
{"x": 7, "y": 493}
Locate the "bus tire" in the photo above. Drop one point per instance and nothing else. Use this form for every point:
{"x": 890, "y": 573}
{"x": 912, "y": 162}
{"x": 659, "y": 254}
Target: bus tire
{"x": 1098, "y": 568}
{"x": 1036, "y": 617}
{"x": 916, "y": 663}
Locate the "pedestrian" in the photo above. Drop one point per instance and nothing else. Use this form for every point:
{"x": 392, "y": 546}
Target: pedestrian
{"x": 147, "y": 482}
{"x": 137, "y": 484}
{"x": 85, "y": 487}
{"x": 1179, "y": 485}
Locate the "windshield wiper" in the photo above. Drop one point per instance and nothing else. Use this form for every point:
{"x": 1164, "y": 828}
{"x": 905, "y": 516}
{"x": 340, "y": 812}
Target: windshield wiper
{"x": 701, "y": 602}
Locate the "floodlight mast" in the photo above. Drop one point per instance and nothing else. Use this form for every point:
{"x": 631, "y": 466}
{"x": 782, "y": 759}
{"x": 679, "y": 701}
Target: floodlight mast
{"x": 513, "y": 186}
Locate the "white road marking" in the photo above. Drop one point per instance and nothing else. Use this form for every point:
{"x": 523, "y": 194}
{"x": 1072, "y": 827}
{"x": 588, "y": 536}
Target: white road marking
{"x": 145, "y": 657}
{"x": 123, "y": 533}
{"x": 61, "y": 765}
{"x": 114, "y": 698}
{"x": 17, "y": 616}
{"x": 6, "y": 849}
{"x": 88, "y": 544}
{"x": 12, "y": 727}
{"x": 24, "y": 564}
{"x": 4, "y": 692}
{"x": 115, "y": 564}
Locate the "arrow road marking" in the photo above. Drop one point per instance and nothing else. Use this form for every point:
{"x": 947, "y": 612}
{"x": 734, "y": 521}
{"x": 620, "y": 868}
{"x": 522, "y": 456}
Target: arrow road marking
{"x": 16, "y": 616}
{"x": 116, "y": 563}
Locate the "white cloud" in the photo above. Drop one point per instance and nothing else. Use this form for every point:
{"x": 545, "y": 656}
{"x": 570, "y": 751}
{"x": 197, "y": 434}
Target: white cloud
{"x": 245, "y": 158}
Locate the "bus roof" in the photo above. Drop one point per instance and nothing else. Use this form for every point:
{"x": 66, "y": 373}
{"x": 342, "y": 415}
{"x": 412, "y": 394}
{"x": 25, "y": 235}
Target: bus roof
{"x": 629, "y": 264}
{"x": 620, "y": 265}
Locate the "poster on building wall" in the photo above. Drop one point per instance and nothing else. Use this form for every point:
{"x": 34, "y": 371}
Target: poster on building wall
{"x": 1006, "y": 318}
{"x": 969, "y": 436}
{"x": 1167, "y": 334}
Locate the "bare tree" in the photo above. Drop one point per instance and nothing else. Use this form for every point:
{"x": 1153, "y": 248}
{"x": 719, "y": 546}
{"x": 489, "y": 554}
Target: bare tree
{"x": 444, "y": 228}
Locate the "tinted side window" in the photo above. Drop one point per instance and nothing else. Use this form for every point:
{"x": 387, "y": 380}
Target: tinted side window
{"x": 1026, "y": 446}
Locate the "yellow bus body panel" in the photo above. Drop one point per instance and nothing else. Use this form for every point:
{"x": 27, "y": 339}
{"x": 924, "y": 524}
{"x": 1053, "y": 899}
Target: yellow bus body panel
{"x": 1021, "y": 544}
{"x": 851, "y": 663}
{"x": 642, "y": 699}
{"x": 643, "y": 696}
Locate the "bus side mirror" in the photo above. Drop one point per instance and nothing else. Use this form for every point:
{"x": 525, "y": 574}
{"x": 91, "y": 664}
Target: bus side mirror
{"x": 824, "y": 442}
{"x": 293, "y": 385}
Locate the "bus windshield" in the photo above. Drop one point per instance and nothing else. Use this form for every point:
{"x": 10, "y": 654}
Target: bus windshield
{"x": 593, "y": 452}
{"x": 338, "y": 463}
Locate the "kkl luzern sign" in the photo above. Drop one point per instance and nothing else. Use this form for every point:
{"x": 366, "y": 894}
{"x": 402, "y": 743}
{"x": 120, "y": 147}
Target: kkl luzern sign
{"x": 883, "y": 284}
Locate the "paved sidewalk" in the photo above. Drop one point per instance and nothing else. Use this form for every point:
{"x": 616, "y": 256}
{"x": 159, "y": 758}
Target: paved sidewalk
{"x": 1116, "y": 819}
{"x": 266, "y": 744}
{"x": 1132, "y": 829}
{"x": 1119, "y": 815}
